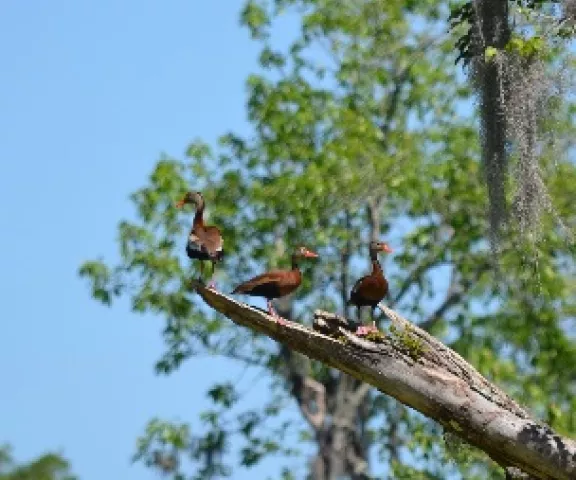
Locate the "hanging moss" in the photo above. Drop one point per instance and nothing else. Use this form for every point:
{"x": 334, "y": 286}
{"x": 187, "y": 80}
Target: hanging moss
{"x": 515, "y": 87}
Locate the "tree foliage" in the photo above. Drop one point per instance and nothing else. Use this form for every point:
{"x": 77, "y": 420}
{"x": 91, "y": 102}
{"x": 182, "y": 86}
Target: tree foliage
{"x": 360, "y": 130}
{"x": 49, "y": 466}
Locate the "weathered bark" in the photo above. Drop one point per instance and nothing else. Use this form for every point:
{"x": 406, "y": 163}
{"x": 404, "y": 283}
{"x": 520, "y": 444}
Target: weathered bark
{"x": 422, "y": 373}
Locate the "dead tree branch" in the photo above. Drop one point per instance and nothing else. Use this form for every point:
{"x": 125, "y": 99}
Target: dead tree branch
{"x": 418, "y": 370}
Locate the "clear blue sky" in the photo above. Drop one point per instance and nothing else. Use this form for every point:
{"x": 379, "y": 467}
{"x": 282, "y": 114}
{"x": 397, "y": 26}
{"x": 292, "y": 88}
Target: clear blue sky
{"x": 90, "y": 94}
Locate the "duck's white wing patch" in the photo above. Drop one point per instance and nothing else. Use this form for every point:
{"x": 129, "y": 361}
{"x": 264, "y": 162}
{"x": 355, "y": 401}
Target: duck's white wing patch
{"x": 194, "y": 242}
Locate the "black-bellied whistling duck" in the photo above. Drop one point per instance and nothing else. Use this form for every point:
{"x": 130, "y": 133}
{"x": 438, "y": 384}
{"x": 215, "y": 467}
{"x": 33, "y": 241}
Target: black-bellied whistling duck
{"x": 276, "y": 283}
{"x": 369, "y": 290}
{"x": 204, "y": 241}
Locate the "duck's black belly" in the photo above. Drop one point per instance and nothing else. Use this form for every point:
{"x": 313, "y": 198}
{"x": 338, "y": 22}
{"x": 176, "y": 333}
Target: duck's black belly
{"x": 362, "y": 301}
{"x": 195, "y": 252}
{"x": 369, "y": 294}
{"x": 267, "y": 290}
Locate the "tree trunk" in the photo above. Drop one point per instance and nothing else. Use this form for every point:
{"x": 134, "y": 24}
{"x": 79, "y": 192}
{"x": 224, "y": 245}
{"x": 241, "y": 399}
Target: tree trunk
{"x": 491, "y": 29}
{"x": 340, "y": 440}
{"x": 341, "y": 436}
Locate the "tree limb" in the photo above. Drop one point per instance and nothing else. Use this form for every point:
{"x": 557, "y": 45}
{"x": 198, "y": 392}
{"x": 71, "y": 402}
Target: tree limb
{"x": 453, "y": 296}
{"x": 432, "y": 260}
{"x": 314, "y": 392}
{"x": 456, "y": 292}
{"x": 415, "y": 274}
{"x": 437, "y": 382}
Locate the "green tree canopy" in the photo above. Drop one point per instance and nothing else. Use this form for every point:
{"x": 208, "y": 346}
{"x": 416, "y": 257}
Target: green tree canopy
{"x": 49, "y": 466}
{"x": 362, "y": 128}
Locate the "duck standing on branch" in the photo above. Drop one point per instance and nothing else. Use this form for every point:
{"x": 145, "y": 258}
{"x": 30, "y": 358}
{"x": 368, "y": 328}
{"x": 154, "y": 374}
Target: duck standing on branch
{"x": 276, "y": 283}
{"x": 369, "y": 290}
{"x": 204, "y": 241}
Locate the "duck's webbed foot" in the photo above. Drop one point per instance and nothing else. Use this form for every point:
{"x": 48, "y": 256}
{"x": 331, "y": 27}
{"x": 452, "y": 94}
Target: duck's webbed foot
{"x": 212, "y": 283}
{"x": 280, "y": 320}
{"x": 362, "y": 330}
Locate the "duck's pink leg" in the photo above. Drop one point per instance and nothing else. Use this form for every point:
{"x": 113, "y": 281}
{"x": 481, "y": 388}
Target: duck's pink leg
{"x": 272, "y": 312}
{"x": 362, "y": 330}
{"x": 212, "y": 283}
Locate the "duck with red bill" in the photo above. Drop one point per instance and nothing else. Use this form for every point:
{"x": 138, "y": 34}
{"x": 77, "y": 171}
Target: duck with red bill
{"x": 205, "y": 242}
{"x": 276, "y": 283}
{"x": 369, "y": 290}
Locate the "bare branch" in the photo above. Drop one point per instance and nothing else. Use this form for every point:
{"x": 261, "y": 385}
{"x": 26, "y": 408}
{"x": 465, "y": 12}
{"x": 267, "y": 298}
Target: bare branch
{"x": 359, "y": 394}
{"x": 402, "y": 78}
{"x": 453, "y": 296}
{"x": 373, "y": 207}
{"x": 435, "y": 381}
{"x": 416, "y": 273}
{"x": 394, "y": 441}
{"x": 394, "y": 99}
{"x": 456, "y": 292}
{"x": 313, "y": 393}
{"x": 429, "y": 261}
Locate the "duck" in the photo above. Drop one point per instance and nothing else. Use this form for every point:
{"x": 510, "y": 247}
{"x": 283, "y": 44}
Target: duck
{"x": 369, "y": 290}
{"x": 276, "y": 283}
{"x": 205, "y": 242}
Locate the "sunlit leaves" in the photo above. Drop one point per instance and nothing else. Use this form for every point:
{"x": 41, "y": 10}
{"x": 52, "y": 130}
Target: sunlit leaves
{"x": 223, "y": 394}
{"x": 104, "y": 286}
{"x": 384, "y": 125}
{"x": 269, "y": 58}
{"x": 255, "y": 17}
{"x": 49, "y": 466}
{"x": 257, "y": 449}
{"x": 162, "y": 445}
{"x": 525, "y": 47}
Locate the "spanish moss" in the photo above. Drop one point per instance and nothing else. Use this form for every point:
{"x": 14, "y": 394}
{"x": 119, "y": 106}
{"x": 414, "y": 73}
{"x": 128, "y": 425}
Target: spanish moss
{"x": 515, "y": 87}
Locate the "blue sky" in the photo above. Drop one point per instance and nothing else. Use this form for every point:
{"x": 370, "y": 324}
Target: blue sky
{"x": 91, "y": 93}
